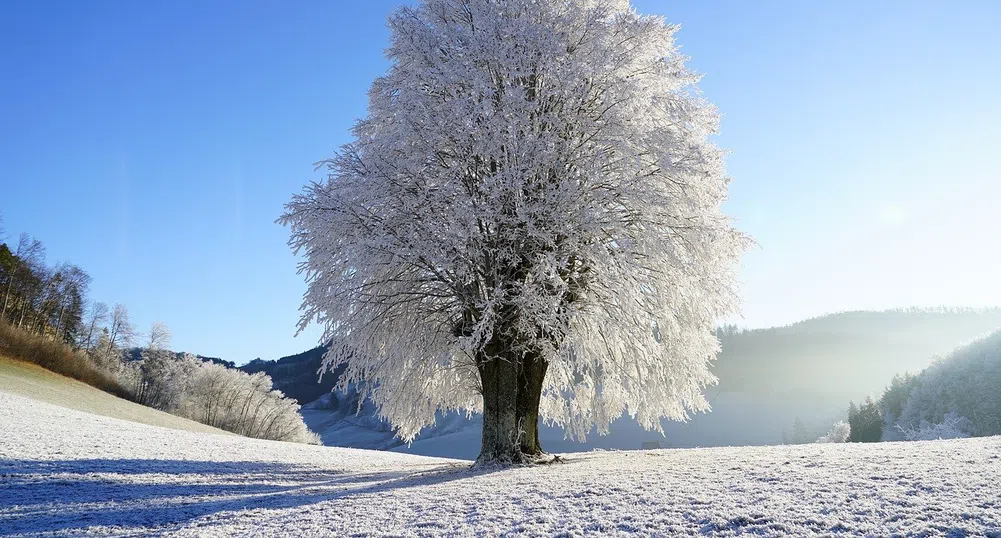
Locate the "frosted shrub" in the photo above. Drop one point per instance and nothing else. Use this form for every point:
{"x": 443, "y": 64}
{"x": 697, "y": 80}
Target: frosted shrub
{"x": 839, "y": 433}
{"x": 225, "y": 398}
{"x": 159, "y": 379}
{"x": 952, "y": 427}
{"x": 243, "y": 403}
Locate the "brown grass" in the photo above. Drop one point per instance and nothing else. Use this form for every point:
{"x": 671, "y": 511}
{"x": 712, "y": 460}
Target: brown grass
{"x": 57, "y": 357}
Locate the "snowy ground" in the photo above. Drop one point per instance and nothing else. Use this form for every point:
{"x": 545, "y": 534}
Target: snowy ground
{"x": 65, "y": 472}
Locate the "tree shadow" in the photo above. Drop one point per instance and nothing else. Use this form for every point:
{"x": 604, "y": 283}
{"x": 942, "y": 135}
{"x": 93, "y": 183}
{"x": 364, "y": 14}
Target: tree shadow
{"x": 141, "y": 495}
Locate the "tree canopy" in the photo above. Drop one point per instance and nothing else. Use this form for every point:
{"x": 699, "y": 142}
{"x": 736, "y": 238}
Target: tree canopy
{"x": 533, "y": 194}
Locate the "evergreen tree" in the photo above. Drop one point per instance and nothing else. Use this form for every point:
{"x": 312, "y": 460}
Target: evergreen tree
{"x": 866, "y": 422}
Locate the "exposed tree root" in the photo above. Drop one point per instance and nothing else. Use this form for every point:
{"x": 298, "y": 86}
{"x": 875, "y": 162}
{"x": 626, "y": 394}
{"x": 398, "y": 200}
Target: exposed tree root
{"x": 518, "y": 459}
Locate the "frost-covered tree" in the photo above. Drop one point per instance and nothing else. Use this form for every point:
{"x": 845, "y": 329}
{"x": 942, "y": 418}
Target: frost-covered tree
{"x": 799, "y": 434}
{"x": 159, "y": 377}
{"x": 122, "y": 331}
{"x": 106, "y": 355}
{"x": 529, "y": 221}
{"x": 242, "y": 403}
{"x": 159, "y": 336}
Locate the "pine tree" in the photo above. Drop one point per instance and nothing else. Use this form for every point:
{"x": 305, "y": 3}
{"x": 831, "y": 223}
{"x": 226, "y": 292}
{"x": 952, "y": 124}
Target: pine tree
{"x": 866, "y": 422}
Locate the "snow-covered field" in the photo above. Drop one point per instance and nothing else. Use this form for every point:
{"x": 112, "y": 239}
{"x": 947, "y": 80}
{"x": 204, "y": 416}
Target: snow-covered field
{"x": 66, "y": 472}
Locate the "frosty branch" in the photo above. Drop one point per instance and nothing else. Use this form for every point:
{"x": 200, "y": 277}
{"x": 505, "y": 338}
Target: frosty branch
{"x": 528, "y": 223}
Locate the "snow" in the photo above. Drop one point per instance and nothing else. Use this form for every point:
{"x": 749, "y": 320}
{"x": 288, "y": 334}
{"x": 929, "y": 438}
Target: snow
{"x": 66, "y": 472}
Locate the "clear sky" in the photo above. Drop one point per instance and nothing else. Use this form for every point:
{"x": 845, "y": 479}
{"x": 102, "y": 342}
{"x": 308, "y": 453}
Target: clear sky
{"x": 153, "y": 143}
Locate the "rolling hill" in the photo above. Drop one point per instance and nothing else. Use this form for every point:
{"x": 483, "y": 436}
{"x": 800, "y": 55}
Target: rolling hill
{"x": 32, "y": 381}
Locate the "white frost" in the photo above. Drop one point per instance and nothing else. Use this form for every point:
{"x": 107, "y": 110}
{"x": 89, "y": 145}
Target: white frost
{"x": 65, "y": 472}
{"x": 538, "y": 173}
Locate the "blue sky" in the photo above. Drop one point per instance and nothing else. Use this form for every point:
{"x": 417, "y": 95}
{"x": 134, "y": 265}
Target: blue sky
{"x": 154, "y": 143}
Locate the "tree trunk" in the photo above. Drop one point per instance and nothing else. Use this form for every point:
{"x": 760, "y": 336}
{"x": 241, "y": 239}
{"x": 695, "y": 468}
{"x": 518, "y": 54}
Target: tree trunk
{"x": 531, "y": 374}
{"x": 6, "y": 295}
{"x": 90, "y": 335}
{"x": 512, "y": 390}
{"x": 111, "y": 339}
{"x": 59, "y": 319}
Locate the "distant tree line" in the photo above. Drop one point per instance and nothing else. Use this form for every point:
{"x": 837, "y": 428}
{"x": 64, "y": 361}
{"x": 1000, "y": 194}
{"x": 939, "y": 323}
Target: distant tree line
{"x": 47, "y": 318}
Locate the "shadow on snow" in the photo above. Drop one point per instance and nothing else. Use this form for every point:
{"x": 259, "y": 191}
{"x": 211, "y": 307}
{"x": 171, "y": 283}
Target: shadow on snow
{"x": 137, "y": 494}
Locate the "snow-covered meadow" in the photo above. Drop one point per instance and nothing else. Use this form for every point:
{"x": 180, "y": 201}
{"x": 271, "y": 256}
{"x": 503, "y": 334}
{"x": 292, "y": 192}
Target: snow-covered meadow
{"x": 66, "y": 472}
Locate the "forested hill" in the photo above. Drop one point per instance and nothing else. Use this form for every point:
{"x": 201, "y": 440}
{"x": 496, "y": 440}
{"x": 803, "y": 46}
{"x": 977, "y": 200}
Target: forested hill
{"x": 296, "y": 375}
{"x": 845, "y": 353}
{"x": 135, "y": 354}
{"x": 957, "y": 396}
{"x": 850, "y": 352}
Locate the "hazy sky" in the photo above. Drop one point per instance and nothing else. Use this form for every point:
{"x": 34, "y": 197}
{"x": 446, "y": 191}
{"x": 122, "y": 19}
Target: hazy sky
{"x": 153, "y": 143}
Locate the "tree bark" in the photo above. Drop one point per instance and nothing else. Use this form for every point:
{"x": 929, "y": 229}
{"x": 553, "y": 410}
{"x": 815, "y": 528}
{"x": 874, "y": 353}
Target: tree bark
{"x": 531, "y": 374}
{"x": 6, "y": 295}
{"x": 90, "y": 334}
{"x": 24, "y": 308}
{"x": 512, "y": 390}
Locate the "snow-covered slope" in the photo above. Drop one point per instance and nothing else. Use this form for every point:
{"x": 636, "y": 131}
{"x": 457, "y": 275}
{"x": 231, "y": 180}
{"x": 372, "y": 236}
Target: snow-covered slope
{"x": 35, "y": 382}
{"x": 335, "y": 416}
{"x": 64, "y": 472}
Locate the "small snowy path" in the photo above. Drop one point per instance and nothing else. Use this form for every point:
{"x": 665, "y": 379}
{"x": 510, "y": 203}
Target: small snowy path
{"x": 65, "y": 472}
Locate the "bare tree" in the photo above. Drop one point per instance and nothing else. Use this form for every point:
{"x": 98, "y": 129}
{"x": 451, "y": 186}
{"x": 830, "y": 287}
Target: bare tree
{"x": 97, "y": 317}
{"x": 122, "y": 331}
{"x": 74, "y": 284}
{"x": 159, "y": 336}
{"x": 35, "y": 287}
